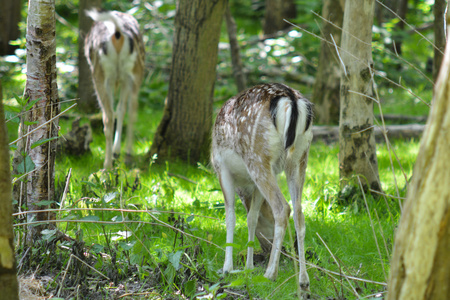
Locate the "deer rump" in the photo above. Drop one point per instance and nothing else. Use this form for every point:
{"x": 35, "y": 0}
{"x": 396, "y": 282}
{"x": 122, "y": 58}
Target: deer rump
{"x": 258, "y": 134}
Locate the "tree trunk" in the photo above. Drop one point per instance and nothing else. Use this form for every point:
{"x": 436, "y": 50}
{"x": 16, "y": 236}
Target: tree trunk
{"x": 185, "y": 129}
{"x": 9, "y": 25}
{"x": 357, "y": 154}
{"x": 327, "y": 83}
{"x": 41, "y": 86}
{"x": 401, "y": 9}
{"x": 8, "y": 278}
{"x": 439, "y": 35}
{"x": 420, "y": 265}
{"x": 238, "y": 71}
{"x": 276, "y": 11}
{"x": 88, "y": 101}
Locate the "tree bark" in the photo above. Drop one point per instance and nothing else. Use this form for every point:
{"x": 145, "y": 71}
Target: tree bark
{"x": 420, "y": 265}
{"x": 327, "y": 83}
{"x": 357, "y": 154}
{"x": 439, "y": 35}
{"x": 9, "y": 25}
{"x": 185, "y": 128}
{"x": 276, "y": 11}
{"x": 8, "y": 278}
{"x": 401, "y": 9}
{"x": 88, "y": 101}
{"x": 238, "y": 70}
{"x": 41, "y": 86}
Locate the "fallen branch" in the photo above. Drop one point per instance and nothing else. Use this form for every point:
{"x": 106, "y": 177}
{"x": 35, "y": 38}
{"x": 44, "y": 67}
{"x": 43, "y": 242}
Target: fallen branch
{"x": 330, "y": 134}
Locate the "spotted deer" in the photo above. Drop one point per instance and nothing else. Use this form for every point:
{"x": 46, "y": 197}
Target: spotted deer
{"x": 115, "y": 52}
{"x": 258, "y": 134}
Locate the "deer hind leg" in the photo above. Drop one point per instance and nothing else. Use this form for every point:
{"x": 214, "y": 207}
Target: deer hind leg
{"x": 227, "y": 185}
{"x": 296, "y": 176}
{"x": 120, "y": 114}
{"x": 281, "y": 210}
{"x": 132, "y": 115}
{"x": 265, "y": 225}
{"x": 256, "y": 200}
{"x": 106, "y": 100}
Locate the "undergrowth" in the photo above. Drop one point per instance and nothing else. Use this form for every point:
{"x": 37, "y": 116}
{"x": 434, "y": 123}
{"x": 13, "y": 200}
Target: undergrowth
{"x": 159, "y": 229}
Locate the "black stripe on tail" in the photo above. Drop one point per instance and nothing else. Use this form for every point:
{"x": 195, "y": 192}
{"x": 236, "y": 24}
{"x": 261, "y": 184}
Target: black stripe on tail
{"x": 291, "y": 133}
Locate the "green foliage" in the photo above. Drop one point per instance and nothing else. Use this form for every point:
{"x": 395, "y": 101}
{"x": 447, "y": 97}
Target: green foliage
{"x": 162, "y": 227}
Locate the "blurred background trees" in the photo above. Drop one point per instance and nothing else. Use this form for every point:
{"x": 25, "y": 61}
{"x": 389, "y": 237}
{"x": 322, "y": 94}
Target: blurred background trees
{"x": 10, "y": 16}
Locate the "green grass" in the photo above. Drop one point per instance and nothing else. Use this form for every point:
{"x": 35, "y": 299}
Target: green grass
{"x": 150, "y": 248}
{"x": 196, "y": 207}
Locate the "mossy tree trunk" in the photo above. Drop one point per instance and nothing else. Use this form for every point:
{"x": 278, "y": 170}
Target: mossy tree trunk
{"x": 420, "y": 265}
{"x": 8, "y": 278}
{"x": 88, "y": 102}
{"x": 41, "y": 87}
{"x": 185, "y": 129}
{"x": 357, "y": 151}
{"x": 327, "y": 83}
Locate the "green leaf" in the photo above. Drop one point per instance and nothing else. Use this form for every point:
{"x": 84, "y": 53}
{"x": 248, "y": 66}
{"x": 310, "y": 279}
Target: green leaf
{"x": 31, "y": 103}
{"x": 117, "y": 219}
{"x": 175, "y": 258}
{"x": 26, "y": 165}
{"x": 97, "y": 248}
{"x": 237, "y": 282}
{"x": 110, "y": 196}
{"x": 189, "y": 219}
{"x": 30, "y": 122}
{"x": 90, "y": 218}
{"x": 214, "y": 287}
{"x": 259, "y": 279}
{"x": 20, "y": 100}
{"x": 48, "y": 234}
{"x": 251, "y": 244}
{"x": 190, "y": 288}
{"x": 127, "y": 246}
{"x": 48, "y": 231}
{"x": 237, "y": 246}
{"x": 45, "y": 203}
{"x": 11, "y": 108}
{"x": 43, "y": 141}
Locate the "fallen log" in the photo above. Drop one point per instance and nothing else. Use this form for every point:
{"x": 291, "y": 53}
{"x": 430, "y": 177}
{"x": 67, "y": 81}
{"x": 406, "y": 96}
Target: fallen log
{"x": 402, "y": 119}
{"x": 330, "y": 134}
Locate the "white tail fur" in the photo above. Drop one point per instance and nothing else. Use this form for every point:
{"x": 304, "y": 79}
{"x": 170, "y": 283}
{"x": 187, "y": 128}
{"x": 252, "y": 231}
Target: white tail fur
{"x": 115, "y": 52}
{"x": 259, "y": 133}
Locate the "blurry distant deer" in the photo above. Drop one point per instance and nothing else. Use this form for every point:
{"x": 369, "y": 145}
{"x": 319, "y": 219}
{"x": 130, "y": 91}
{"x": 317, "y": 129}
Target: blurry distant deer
{"x": 115, "y": 52}
{"x": 259, "y": 133}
